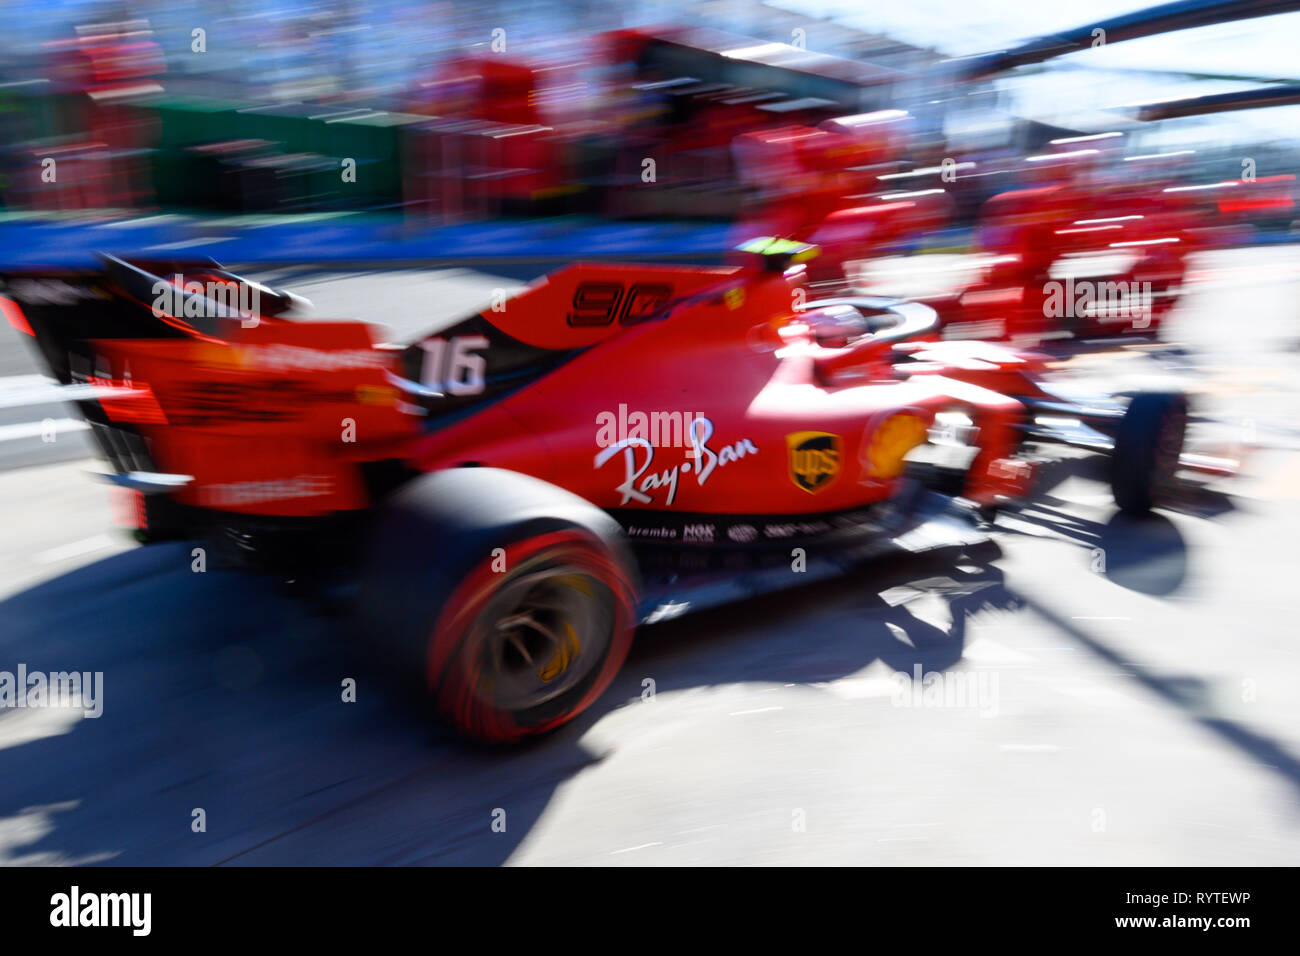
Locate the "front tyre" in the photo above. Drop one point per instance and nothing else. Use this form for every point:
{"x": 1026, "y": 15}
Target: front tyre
{"x": 514, "y": 600}
{"x": 1147, "y": 446}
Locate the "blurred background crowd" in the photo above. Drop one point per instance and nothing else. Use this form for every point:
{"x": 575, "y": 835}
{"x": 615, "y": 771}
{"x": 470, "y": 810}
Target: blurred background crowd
{"x": 730, "y": 108}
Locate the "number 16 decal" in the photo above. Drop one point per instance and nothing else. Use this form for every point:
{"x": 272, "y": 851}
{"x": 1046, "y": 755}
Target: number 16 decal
{"x": 457, "y": 370}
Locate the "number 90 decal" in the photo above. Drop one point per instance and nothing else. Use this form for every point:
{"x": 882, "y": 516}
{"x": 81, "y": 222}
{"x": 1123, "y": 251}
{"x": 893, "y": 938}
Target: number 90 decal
{"x": 600, "y": 303}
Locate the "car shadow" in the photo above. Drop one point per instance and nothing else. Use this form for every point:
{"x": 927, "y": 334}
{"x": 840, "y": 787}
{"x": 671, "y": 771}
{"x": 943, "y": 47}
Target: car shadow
{"x": 1146, "y": 554}
{"x": 230, "y": 735}
{"x": 239, "y": 727}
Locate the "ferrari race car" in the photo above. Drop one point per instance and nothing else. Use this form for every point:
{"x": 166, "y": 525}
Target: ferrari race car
{"x": 511, "y": 495}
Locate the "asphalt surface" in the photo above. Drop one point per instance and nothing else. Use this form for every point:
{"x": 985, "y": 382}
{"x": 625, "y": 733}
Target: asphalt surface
{"x": 1106, "y": 692}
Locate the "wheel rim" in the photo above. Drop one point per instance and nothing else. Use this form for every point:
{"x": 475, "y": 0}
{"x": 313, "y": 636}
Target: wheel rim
{"x": 545, "y": 629}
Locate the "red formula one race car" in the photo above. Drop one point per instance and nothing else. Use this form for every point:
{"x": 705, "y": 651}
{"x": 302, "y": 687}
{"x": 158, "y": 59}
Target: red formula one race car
{"x": 513, "y": 494}
{"x": 1078, "y": 253}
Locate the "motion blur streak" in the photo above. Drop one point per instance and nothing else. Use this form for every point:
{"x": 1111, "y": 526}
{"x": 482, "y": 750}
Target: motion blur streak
{"x": 1046, "y": 254}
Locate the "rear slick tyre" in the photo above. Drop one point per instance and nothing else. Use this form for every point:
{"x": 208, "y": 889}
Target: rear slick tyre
{"x": 514, "y": 600}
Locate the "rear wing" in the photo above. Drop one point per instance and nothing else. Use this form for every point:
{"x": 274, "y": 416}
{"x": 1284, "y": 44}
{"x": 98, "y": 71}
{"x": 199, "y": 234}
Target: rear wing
{"x": 196, "y": 387}
{"x": 127, "y": 300}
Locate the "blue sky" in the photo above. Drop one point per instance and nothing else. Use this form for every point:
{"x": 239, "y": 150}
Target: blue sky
{"x": 1265, "y": 46}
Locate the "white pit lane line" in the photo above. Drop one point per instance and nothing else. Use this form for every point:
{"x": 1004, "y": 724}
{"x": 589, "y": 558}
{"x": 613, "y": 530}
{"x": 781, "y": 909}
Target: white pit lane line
{"x": 74, "y": 550}
{"x": 56, "y": 426}
{"x": 22, "y": 391}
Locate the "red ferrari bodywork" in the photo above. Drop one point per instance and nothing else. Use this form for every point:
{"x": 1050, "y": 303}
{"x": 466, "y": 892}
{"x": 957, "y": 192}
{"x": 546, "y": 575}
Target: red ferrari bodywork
{"x": 654, "y": 392}
{"x": 732, "y": 360}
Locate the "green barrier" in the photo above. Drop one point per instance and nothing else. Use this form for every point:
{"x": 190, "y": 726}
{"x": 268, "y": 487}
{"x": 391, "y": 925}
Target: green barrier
{"x": 210, "y": 153}
{"x": 303, "y": 152}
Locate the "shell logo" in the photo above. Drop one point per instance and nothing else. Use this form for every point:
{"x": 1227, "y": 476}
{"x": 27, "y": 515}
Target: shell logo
{"x": 882, "y": 456}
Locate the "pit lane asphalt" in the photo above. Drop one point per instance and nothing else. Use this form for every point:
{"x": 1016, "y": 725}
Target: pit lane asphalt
{"x": 1144, "y": 714}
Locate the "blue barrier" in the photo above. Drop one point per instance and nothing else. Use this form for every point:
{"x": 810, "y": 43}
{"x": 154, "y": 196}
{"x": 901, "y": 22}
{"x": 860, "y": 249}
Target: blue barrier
{"x": 29, "y": 241}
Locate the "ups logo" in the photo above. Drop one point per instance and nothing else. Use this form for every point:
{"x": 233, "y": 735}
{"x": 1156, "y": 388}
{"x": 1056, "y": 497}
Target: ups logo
{"x": 814, "y": 459}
